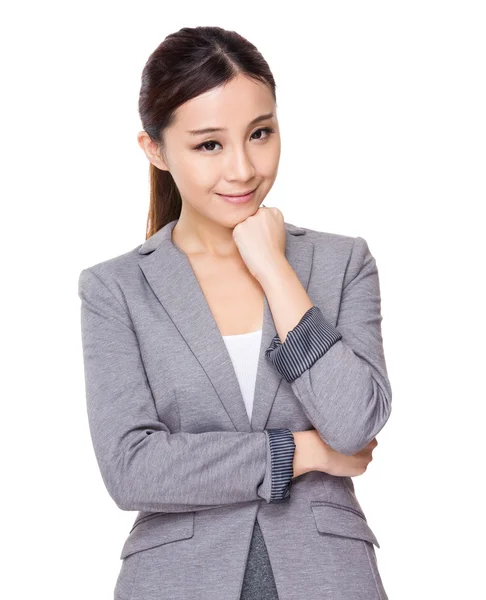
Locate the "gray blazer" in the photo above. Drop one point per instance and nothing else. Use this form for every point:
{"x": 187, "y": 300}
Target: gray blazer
{"x": 173, "y": 440}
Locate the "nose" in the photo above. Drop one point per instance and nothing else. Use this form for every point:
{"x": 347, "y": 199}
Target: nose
{"x": 239, "y": 166}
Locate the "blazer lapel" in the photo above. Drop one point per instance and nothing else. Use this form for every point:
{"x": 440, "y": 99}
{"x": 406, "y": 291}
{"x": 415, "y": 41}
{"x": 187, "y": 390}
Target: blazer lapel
{"x": 169, "y": 273}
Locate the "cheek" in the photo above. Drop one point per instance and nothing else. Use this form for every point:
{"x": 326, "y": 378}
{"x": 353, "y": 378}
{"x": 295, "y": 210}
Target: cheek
{"x": 268, "y": 163}
{"x": 205, "y": 174}
{"x": 194, "y": 177}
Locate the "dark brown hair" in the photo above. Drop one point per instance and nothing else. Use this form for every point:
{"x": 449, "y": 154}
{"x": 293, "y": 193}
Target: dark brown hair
{"x": 186, "y": 64}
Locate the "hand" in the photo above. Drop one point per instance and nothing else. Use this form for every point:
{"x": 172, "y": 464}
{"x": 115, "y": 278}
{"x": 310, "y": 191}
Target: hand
{"x": 261, "y": 240}
{"x": 343, "y": 465}
{"x": 313, "y": 454}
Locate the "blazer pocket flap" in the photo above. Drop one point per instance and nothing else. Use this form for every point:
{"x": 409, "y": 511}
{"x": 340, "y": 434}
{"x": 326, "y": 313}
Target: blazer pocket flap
{"x": 158, "y": 529}
{"x": 340, "y": 520}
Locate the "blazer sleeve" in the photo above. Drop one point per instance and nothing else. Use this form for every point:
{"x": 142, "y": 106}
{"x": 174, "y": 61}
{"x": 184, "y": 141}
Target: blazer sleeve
{"x": 339, "y": 373}
{"x": 144, "y": 466}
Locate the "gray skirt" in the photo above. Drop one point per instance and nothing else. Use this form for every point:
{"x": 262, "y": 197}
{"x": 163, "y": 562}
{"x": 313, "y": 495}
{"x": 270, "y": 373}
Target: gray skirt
{"x": 258, "y": 581}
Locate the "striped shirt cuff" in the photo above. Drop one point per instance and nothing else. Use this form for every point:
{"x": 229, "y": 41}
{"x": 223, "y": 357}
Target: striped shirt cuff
{"x": 310, "y": 339}
{"x": 282, "y": 449}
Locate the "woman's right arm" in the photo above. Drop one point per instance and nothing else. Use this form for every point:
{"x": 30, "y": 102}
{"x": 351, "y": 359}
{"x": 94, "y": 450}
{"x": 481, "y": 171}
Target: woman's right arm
{"x": 144, "y": 466}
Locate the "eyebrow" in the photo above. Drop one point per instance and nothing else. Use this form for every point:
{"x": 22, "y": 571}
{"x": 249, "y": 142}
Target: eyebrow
{"x": 215, "y": 129}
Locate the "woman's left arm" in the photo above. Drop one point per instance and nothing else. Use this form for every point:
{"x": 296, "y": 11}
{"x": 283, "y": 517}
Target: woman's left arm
{"x": 338, "y": 373}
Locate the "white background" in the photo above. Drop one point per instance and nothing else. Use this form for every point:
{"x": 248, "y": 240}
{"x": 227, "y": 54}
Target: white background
{"x": 381, "y": 108}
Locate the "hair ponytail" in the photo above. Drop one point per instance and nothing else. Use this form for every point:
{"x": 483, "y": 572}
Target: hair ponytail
{"x": 165, "y": 200}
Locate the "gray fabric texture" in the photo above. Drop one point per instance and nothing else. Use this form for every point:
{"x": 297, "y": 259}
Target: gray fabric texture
{"x": 173, "y": 440}
{"x": 258, "y": 582}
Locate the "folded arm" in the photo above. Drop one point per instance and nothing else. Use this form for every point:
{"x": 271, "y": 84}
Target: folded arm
{"x": 143, "y": 465}
{"x": 338, "y": 373}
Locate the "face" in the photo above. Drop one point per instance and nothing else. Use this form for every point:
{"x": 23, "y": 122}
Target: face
{"x": 241, "y": 156}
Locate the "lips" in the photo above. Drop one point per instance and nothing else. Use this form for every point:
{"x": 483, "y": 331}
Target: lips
{"x": 238, "y": 199}
{"x": 238, "y": 195}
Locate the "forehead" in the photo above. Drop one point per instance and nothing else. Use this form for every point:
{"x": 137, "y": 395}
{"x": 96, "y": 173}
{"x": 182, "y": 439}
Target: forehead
{"x": 232, "y": 104}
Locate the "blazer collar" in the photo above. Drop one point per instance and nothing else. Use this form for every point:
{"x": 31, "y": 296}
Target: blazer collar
{"x": 170, "y": 275}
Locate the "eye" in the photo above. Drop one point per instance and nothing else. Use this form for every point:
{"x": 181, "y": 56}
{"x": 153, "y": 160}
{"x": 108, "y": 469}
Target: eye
{"x": 203, "y": 147}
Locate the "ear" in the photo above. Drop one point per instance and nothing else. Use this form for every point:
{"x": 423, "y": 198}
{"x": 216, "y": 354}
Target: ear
{"x": 151, "y": 150}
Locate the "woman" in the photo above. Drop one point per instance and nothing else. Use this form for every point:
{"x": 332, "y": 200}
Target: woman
{"x": 235, "y": 374}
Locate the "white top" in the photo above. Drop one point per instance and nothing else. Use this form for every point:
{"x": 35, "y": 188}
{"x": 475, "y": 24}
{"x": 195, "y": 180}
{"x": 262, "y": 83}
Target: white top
{"x": 244, "y": 350}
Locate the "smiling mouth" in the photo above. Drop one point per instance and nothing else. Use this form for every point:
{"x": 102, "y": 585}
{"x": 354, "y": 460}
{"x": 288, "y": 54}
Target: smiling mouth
{"x": 240, "y": 198}
{"x": 238, "y": 195}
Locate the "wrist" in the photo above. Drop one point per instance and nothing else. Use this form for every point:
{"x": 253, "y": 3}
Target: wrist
{"x": 277, "y": 268}
{"x": 303, "y": 455}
